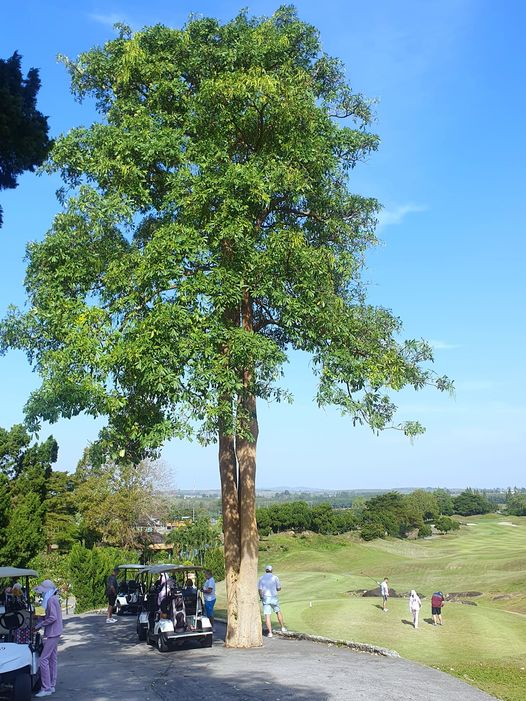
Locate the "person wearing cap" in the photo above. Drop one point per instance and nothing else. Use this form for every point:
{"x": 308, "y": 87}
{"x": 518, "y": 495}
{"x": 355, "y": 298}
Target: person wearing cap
{"x": 52, "y": 625}
{"x": 268, "y": 587}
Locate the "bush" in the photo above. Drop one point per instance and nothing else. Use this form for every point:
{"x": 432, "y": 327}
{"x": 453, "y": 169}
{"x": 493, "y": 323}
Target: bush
{"x": 372, "y": 530}
{"x": 89, "y": 570}
{"x": 444, "y": 524}
{"x": 425, "y": 531}
{"x": 215, "y": 562}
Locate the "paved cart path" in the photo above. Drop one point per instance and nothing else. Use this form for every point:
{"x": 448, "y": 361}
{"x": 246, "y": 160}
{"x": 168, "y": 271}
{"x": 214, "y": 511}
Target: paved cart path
{"x": 100, "y": 662}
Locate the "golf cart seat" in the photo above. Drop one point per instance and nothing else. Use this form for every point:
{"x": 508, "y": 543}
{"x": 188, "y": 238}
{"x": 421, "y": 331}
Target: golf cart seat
{"x": 190, "y": 603}
{"x": 11, "y": 622}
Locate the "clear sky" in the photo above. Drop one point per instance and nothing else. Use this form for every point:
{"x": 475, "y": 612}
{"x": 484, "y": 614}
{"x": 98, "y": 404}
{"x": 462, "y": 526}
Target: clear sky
{"x": 449, "y": 77}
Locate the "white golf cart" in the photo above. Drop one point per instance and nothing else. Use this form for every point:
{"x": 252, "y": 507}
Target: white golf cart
{"x": 129, "y": 594}
{"x": 175, "y": 612}
{"x": 20, "y": 646}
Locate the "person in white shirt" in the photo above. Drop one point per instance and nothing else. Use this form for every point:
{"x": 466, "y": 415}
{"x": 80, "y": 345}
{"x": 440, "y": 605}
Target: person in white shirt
{"x": 268, "y": 587}
{"x": 414, "y": 606}
{"x": 209, "y": 592}
{"x": 384, "y": 590}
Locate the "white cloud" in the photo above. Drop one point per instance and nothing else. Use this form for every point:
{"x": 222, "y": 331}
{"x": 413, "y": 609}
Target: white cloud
{"x": 442, "y": 345}
{"x": 107, "y": 20}
{"x": 388, "y": 217}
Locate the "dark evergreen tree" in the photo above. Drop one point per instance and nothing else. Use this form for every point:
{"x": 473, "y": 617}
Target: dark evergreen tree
{"x": 24, "y": 141}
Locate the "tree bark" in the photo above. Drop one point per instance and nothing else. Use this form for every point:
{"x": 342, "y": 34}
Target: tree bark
{"x": 237, "y": 465}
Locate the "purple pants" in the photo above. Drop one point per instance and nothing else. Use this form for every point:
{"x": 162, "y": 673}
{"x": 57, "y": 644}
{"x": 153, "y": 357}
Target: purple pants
{"x": 48, "y": 663}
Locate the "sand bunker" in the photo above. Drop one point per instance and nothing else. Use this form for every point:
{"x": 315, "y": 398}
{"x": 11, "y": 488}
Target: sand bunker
{"x": 508, "y": 523}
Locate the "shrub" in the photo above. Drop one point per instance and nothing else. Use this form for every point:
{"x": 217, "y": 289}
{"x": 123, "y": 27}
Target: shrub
{"x": 444, "y": 524}
{"x": 215, "y": 562}
{"x": 89, "y": 570}
{"x": 372, "y": 530}
{"x": 424, "y": 531}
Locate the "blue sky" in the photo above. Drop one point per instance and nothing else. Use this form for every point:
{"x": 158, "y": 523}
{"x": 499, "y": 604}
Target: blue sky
{"x": 449, "y": 79}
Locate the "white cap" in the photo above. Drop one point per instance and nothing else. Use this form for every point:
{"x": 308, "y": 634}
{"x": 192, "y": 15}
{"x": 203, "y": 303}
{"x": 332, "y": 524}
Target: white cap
{"x": 268, "y": 568}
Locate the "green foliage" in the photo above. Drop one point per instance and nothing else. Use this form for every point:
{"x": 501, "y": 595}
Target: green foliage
{"x": 372, "y": 529}
{"x": 192, "y": 541}
{"x": 112, "y": 499}
{"x": 23, "y": 129}
{"x": 392, "y": 514}
{"x": 174, "y": 220}
{"x": 25, "y": 472}
{"x": 516, "y": 503}
{"x": 54, "y": 566}
{"x": 471, "y": 502}
{"x": 425, "y": 531}
{"x": 89, "y": 570}
{"x": 444, "y": 524}
{"x": 299, "y": 516}
{"x": 61, "y": 520}
{"x": 214, "y": 560}
{"x": 424, "y": 503}
{"x": 445, "y": 502}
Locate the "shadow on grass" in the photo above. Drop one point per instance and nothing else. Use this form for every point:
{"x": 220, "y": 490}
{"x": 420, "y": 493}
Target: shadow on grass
{"x": 406, "y": 622}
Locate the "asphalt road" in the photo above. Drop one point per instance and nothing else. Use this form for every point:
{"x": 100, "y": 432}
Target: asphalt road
{"x": 100, "y": 662}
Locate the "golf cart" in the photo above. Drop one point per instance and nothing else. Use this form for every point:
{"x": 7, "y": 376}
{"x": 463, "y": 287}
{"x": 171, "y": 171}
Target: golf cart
{"x": 20, "y": 646}
{"x": 175, "y": 612}
{"x": 129, "y": 594}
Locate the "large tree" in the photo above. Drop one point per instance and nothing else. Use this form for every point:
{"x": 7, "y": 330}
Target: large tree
{"x": 209, "y": 228}
{"x": 24, "y": 142}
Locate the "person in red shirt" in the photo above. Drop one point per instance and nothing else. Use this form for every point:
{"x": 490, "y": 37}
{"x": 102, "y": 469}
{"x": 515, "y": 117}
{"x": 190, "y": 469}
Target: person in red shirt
{"x": 437, "y": 601}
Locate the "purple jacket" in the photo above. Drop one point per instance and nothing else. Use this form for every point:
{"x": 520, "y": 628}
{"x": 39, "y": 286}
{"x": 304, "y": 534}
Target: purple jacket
{"x": 52, "y": 623}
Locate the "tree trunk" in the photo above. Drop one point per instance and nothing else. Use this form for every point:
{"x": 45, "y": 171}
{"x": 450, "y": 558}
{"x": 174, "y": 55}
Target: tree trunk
{"x": 237, "y": 465}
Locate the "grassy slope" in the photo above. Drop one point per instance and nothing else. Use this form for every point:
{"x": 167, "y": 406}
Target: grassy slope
{"x": 485, "y": 644}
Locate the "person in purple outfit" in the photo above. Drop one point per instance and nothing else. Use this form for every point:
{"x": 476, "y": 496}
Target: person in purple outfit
{"x": 52, "y": 625}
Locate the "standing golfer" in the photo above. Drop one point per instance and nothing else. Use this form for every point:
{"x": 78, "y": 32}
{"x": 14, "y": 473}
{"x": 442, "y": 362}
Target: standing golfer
{"x": 384, "y": 591}
{"x": 268, "y": 587}
{"x": 437, "y": 601}
{"x": 52, "y": 625}
{"x": 111, "y": 594}
{"x": 414, "y": 606}
{"x": 209, "y": 593}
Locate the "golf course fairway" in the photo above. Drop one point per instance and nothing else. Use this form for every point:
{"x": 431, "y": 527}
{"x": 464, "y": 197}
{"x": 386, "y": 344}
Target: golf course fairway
{"x": 483, "y": 639}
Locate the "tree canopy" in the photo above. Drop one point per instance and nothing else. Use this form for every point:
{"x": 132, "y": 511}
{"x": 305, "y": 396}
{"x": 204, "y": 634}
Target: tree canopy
{"x": 24, "y": 142}
{"x": 209, "y": 227}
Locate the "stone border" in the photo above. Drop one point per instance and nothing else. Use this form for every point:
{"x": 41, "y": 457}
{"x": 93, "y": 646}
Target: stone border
{"x": 351, "y": 644}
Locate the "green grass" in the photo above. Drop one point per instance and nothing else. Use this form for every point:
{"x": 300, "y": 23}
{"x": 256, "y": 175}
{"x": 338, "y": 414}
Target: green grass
{"x": 484, "y": 644}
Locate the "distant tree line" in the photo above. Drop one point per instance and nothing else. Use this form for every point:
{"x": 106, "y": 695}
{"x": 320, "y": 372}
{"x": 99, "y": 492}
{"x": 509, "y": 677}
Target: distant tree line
{"x": 389, "y": 514}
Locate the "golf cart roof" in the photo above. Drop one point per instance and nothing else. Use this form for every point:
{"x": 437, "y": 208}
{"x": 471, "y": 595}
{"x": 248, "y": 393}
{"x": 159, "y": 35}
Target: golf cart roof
{"x": 17, "y": 572}
{"x": 131, "y": 567}
{"x": 159, "y": 569}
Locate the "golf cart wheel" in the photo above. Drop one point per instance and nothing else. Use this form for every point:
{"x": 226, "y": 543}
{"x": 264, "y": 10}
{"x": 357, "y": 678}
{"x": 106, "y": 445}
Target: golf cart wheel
{"x": 162, "y": 643}
{"x": 119, "y": 611}
{"x": 22, "y": 687}
{"x": 207, "y": 642}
